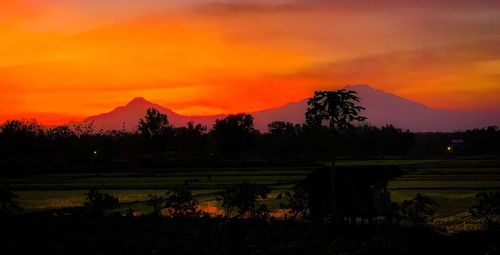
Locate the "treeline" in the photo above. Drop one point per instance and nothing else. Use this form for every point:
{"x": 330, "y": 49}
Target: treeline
{"x": 233, "y": 137}
{"x": 479, "y": 141}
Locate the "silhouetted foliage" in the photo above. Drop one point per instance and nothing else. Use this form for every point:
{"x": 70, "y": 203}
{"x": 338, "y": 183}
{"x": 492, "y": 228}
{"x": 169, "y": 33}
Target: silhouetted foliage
{"x": 190, "y": 140}
{"x": 155, "y": 130}
{"x": 244, "y": 199}
{"x": 477, "y": 141}
{"x": 8, "y": 203}
{"x": 297, "y": 202}
{"x": 374, "y": 141}
{"x": 338, "y": 108}
{"x": 157, "y": 203}
{"x": 154, "y": 124}
{"x": 19, "y": 138}
{"x": 262, "y": 212}
{"x": 488, "y": 207}
{"x": 181, "y": 203}
{"x": 97, "y": 203}
{"x": 178, "y": 203}
{"x": 234, "y": 134}
{"x": 283, "y": 139}
{"x": 281, "y": 128}
{"x": 418, "y": 209}
{"x": 28, "y": 147}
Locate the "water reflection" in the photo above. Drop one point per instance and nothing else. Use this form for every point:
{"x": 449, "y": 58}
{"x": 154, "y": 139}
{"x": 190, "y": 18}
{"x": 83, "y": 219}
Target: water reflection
{"x": 213, "y": 209}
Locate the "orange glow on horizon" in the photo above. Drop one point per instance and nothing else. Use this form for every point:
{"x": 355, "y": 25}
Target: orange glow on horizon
{"x": 65, "y": 60}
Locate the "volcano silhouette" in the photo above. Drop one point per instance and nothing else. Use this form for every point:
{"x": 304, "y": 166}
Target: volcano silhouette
{"x": 382, "y": 108}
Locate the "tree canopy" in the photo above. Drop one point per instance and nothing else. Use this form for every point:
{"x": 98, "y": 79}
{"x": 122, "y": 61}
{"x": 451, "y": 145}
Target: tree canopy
{"x": 234, "y": 133}
{"x": 154, "y": 123}
{"x": 339, "y": 108}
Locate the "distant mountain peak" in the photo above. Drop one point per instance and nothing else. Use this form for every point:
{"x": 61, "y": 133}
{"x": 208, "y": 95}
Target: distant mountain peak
{"x": 358, "y": 86}
{"x": 139, "y": 101}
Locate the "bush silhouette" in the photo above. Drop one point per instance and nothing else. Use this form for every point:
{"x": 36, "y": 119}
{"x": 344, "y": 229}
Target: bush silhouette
{"x": 178, "y": 203}
{"x": 244, "y": 199}
{"x": 8, "y": 203}
{"x": 181, "y": 203}
{"x": 488, "y": 207}
{"x": 157, "y": 203}
{"x": 98, "y": 203}
{"x": 418, "y": 209}
{"x": 297, "y": 202}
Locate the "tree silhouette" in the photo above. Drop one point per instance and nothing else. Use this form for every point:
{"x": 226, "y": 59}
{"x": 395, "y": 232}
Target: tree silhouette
{"x": 154, "y": 123}
{"x": 190, "y": 140}
{"x": 234, "y": 133}
{"x": 21, "y": 137}
{"x": 339, "y": 109}
{"x": 155, "y": 130}
{"x": 281, "y": 128}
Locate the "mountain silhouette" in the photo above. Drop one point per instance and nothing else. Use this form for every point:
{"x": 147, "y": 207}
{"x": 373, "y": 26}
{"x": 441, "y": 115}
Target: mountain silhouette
{"x": 127, "y": 117}
{"x": 382, "y": 108}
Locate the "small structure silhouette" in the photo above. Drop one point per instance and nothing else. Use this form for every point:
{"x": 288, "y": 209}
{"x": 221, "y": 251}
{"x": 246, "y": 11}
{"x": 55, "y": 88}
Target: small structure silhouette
{"x": 456, "y": 145}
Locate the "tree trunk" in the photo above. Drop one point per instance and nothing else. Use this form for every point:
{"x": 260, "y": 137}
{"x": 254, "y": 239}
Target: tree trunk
{"x": 333, "y": 177}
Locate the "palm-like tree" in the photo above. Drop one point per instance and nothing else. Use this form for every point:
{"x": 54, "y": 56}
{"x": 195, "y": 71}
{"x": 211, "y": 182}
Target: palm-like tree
{"x": 338, "y": 109}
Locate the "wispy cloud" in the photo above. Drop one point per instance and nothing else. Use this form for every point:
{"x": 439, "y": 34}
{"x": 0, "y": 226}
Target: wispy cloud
{"x": 244, "y": 55}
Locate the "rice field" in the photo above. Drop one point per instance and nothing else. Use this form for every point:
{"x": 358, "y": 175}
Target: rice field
{"x": 452, "y": 182}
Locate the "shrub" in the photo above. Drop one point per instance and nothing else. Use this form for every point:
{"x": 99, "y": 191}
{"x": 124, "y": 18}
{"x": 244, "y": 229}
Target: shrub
{"x": 8, "y": 203}
{"x": 297, "y": 202}
{"x": 261, "y": 212}
{"x": 98, "y": 203}
{"x": 157, "y": 203}
{"x": 244, "y": 198}
{"x": 181, "y": 203}
{"x": 488, "y": 208}
{"x": 418, "y": 209}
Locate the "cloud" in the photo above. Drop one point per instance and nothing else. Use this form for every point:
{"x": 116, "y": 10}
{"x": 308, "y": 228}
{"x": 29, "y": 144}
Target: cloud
{"x": 440, "y": 77}
{"x": 341, "y": 6}
{"x": 88, "y": 56}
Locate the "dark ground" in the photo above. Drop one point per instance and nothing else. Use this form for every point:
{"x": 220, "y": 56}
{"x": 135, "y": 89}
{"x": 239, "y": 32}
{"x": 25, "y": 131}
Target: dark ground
{"x": 47, "y": 234}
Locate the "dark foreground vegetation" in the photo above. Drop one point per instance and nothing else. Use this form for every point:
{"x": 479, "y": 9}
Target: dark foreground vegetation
{"x": 173, "y": 224}
{"x": 46, "y": 234}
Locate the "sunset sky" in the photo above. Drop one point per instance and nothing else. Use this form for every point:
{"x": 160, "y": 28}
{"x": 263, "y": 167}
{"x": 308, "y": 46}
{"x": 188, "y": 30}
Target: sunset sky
{"x": 66, "y": 59}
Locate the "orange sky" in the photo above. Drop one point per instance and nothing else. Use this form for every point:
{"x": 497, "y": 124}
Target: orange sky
{"x": 63, "y": 60}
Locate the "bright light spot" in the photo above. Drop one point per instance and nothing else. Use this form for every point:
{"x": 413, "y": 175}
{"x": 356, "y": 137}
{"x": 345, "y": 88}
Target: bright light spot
{"x": 449, "y": 148}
